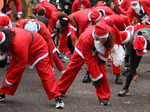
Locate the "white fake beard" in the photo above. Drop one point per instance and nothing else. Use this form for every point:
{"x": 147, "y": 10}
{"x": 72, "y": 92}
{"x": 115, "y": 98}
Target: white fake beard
{"x": 118, "y": 55}
{"x": 137, "y": 8}
{"x": 99, "y": 47}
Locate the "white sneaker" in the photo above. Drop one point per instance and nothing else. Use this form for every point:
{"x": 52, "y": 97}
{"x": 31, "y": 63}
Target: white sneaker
{"x": 59, "y": 103}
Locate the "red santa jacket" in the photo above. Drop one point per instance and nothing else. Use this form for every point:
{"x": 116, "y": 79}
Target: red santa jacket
{"x": 78, "y": 5}
{"x": 84, "y": 48}
{"x": 100, "y": 3}
{"x": 17, "y": 4}
{"x": 121, "y": 22}
{"x": 5, "y": 20}
{"x": 44, "y": 32}
{"x": 26, "y": 50}
{"x": 82, "y": 19}
{"x": 132, "y": 14}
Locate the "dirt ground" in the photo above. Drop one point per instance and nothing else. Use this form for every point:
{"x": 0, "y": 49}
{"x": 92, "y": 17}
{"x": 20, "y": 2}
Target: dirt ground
{"x": 30, "y": 96}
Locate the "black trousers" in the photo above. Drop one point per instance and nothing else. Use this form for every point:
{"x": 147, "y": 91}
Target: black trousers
{"x": 134, "y": 61}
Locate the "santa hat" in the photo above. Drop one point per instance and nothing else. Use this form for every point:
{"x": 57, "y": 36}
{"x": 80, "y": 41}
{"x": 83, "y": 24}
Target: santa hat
{"x": 94, "y": 15}
{"x": 2, "y": 37}
{"x": 125, "y": 36}
{"x": 100, "y": 31}
{"x": 133, "y": 1}
{"x": 140, "y": 44}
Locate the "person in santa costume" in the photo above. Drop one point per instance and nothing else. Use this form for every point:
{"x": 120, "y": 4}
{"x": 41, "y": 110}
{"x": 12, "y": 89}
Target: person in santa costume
{"x": 93, "y": 47}
{"x": 125, "y": 4}
{"x": 88, "y": 17}
{"x": 140, "y": 10}
{"x": 18, "y": 8}
{"x": 33, "y": 50}
{"x": 121, "y": 22}
{"x": 117, "y": 9}
{"x": 39, "y": 27}
{"x": 137, "y": 38}
{"x": 50, "y": 13}
{"x": 80, "y": 5}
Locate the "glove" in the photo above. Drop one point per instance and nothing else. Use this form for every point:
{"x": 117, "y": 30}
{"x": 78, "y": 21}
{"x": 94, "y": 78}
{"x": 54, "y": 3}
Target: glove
{"x": 100, "y": 61}
{"x": 96, "y": 83}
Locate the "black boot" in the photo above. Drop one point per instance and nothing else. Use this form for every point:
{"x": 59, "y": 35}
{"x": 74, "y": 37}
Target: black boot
{"x": 86, "y": 78}
{"x": 2, "y": 97}
{"x": 118, "y": 79}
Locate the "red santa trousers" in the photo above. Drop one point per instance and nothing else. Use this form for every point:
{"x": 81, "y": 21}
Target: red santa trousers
{"x": 47, "y": 77}
{"x": 71, "y": 72}
{"x": 116, "y": 69}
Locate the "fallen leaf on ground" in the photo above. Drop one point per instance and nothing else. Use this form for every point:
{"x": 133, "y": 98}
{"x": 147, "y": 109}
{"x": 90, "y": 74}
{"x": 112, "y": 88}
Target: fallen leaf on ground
{"x": 136, "y": 78}
{"x": 127, "y": 102}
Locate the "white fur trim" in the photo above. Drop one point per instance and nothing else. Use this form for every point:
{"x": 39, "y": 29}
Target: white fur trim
{"x": 132, "y": 29}
{"x": 8, "y": 83}
{"x": 10, "y": 24}
{"x": 19, "y": 12}
{"x": 102, "y": 57}
{"x": 96, "y": 36}
{"x": 145, "y": 45}
{"x": 128, "y": 37}
{"x": 9, "y": 12}
{"x": 74, "y": 28}
{"x": 99, "y": 77}
{"x": 118, "y": 55}
{"x": 120, "y": 2}
{"x": 133, "y": 2}
{"x": 79, "y": 52}
{"x": 54, "y": 50}
{"x": 69, "y": 34}
{"x": 62, "y": 71}
{"x": 40, "y": 58}
{"x": 1, "y": 14}
{"x": 89, "y": 16}
{"x": 3, "y": 38}
{"x": 107, "y": 17}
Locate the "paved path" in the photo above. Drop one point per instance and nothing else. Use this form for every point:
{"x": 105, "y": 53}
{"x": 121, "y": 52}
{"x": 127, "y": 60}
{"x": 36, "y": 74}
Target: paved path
{"x": 30, "y": 96}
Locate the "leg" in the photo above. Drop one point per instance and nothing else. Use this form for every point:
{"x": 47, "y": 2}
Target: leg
{"x": 86, "y": 78}
{"x": 47, "y": 77}
{"x": 71, "y": 71}
{"x": 103, "y": 92}
{"x": 134, "y": 62}
{"x": 116, "y": 71}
